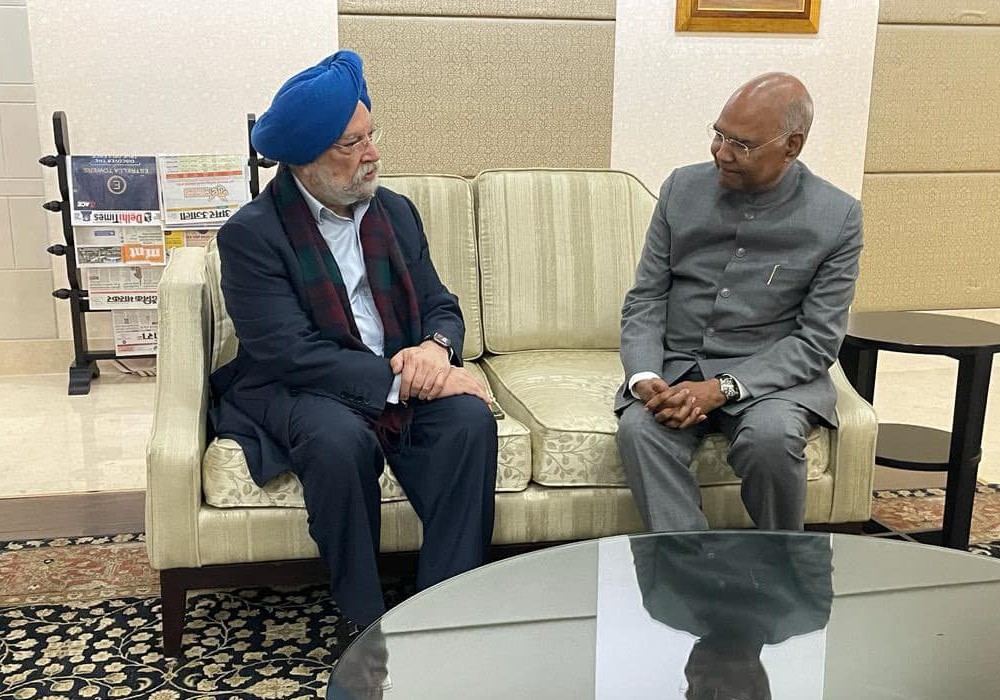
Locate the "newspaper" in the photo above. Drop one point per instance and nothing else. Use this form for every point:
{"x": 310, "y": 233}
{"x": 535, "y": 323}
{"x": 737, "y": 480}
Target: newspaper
{"x": 124, "y": 287}
{"x": 192, "y": 237}
{"x": 119, "y": 245}
{"x": 201, "y": 190}
{"x": 114, "y": 190}
{"x": 135, "y": 331}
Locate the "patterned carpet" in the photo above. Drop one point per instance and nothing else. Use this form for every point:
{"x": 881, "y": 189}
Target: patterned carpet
{"x": 79, "y": 618}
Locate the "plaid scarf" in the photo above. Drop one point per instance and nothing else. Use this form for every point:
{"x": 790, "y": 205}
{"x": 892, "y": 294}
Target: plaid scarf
{"x": 329, "y": 305}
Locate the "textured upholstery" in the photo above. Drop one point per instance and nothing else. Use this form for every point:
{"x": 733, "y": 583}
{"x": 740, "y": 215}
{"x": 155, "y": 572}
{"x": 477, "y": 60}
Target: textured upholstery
{"x": 558, "y": 251}
{"x": 227, "y": 483}
{"x": 446, "y": 206}
{"x": 577, "y": 447}
{"x": 555, "y": 383}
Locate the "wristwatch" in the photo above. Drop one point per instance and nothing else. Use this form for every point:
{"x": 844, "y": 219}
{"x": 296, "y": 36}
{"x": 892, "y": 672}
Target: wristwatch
{"x": 727, "y": 383}
{"x": 439, "y": 339}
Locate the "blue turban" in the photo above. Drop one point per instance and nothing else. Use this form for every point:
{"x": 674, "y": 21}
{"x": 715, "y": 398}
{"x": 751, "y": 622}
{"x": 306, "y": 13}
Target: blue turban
{"x": 311, "y": 110}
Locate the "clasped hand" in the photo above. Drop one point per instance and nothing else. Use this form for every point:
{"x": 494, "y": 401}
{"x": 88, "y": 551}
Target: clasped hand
{"x": 426, "y": 373}
{"x": 681, "y": 405}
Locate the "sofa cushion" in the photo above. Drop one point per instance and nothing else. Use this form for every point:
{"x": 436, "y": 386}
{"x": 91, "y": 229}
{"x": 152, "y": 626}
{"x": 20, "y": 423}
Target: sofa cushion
{"x": 445, "y": 204}
{"x": 226, "y": 481}
{"x": 565, "y": 397}
{"x": 558, "y": 251}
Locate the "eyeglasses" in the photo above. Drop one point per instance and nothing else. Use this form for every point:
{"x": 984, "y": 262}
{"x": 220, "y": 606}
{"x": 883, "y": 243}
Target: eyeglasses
{"x": 359, "y": 145}
{"x": 740, "y": 149}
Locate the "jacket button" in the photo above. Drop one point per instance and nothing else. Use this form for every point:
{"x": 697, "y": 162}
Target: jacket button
{"x": 709, "y": 331}
{"x": 725, "y": 293}
{"x": 740, "y": 252}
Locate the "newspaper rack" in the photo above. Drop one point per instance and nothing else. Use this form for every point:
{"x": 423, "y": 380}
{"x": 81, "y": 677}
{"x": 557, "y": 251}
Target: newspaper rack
{"x": 84, "y": 366}
{"x": 84, "y": 369}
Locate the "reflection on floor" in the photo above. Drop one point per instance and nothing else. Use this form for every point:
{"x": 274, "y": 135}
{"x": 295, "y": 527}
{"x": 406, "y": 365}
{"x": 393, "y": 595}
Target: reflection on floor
{"x": 51, "y": 443}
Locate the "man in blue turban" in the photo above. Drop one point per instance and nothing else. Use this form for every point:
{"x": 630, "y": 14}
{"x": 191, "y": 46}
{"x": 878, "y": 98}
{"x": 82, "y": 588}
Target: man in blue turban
{"x": 350, "y": 346}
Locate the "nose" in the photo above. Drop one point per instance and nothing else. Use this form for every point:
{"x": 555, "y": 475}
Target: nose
{"x": 724, "y": 151}
{"x": 371, "y": 151}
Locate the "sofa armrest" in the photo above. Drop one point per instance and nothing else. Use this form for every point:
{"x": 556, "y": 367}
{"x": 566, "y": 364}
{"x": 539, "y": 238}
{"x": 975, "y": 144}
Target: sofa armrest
{"x": 177, "y": 442}
{"x": 852, "y": 461}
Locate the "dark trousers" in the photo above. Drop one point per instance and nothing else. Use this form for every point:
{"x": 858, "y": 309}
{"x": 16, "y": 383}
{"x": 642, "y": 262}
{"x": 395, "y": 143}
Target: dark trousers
{"x": 447, "y": 469}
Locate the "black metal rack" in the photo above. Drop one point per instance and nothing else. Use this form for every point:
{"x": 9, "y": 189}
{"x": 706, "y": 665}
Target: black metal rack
{"x": 256, "y": 162}
{"x": 84, "y": 367}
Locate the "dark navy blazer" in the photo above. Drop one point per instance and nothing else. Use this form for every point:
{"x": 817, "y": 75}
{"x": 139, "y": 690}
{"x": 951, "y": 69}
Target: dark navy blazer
{"x": 281, "y": 352}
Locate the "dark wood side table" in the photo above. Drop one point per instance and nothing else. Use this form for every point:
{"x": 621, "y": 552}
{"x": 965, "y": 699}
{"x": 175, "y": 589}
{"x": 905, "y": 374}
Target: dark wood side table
{"x": 971, "y": 342}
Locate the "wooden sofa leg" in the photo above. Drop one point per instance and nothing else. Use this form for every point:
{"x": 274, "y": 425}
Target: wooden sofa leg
{"x": 175, "y": 583}
{"x": 851, "y": 528}
{"x": 173, "y": 601}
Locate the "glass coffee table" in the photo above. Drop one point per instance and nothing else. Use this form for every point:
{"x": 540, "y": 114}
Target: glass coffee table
{"x": 741, "y": 615}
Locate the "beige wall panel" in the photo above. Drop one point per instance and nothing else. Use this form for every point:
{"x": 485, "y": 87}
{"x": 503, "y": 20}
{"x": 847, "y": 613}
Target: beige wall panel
{"x": 30, "y": 234}
{"x": 939, "y": 12}
{"x": 32, "y": 316}
{"x": 559, "y": 9}
{"x": 462, "y": 95}
{"x": 6, "y": 236}
{"x": 931, "y": 242}
{"x": 15, "y": 49}
{"x": 19, "y": 136}
{"x": 935, "y": 93}
{"x": 17, "y": 93}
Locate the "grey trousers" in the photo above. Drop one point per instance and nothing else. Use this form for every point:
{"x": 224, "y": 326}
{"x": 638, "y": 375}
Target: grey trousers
{"x": 767, "y": 452}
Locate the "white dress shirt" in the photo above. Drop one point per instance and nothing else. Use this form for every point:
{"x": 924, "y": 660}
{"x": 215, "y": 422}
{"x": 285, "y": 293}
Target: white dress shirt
{"x": 343, "y": 237}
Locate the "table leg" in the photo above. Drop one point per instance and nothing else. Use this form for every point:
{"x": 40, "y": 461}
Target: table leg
{"x": 859, "y": 365}
{"x": 966, "y": 446}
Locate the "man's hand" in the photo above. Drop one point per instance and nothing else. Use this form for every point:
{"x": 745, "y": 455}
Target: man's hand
{"x": 682, "y": 405}
{"x": 423, "y": 370}
{"x": 462, "y": 381}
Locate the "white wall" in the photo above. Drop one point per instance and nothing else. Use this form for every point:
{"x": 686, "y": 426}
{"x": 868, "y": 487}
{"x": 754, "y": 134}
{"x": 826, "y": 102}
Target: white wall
{"x": 176, "y": 77}
{"x": 669, "y": 85}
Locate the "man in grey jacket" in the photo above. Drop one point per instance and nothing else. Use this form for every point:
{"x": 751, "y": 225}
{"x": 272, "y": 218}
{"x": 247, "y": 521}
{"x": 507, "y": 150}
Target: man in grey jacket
{"x": 738, "y": 310}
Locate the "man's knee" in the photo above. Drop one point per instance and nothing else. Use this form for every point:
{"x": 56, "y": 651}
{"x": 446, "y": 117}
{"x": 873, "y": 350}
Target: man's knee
{"x": 327, "y": 437}
{"x": 774, "y": 442}
{"x": 635, "y": 425}
{"x": 638, "y": 431}
{"x": 469, "y": 415}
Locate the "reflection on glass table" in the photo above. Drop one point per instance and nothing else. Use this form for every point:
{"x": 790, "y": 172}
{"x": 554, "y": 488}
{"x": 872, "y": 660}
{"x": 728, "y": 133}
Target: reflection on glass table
{"x": 724, "y": 615}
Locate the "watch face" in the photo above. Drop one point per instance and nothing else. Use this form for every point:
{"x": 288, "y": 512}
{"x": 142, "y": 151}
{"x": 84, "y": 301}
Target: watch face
{"x": 441, "y": 340}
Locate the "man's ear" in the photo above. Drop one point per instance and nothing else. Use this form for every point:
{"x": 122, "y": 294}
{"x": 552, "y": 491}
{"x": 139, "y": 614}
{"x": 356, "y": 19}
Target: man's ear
{"x": 794, "y": 146}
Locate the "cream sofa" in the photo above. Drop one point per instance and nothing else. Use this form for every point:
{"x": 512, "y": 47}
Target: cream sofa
{"x": 540, "y": 261}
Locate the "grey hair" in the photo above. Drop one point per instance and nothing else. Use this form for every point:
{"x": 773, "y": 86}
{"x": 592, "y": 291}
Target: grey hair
{"x": 799, "y": 115}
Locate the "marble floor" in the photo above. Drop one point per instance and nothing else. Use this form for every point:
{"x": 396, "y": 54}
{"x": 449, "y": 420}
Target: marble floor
{"x": 51, "y": 443}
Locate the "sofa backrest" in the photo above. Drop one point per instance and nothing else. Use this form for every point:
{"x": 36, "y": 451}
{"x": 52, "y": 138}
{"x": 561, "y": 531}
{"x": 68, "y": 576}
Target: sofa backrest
{"x": 446, "y": 206}
{"x": 558, "y": 250}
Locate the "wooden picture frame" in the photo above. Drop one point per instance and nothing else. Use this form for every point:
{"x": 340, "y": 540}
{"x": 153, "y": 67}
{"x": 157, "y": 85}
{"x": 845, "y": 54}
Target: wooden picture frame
{"x": 781, "y": 16}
